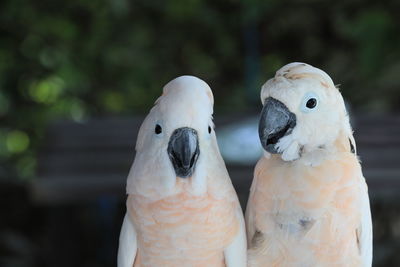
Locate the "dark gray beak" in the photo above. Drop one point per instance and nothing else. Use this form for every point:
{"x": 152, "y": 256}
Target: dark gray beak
{"x": 276, "y": 121}
{"x": 183, "y": 151}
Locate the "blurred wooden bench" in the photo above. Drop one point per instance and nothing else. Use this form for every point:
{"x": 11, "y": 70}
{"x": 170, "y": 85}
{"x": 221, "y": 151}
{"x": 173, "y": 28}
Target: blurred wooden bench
{"x": 82, "y": 161}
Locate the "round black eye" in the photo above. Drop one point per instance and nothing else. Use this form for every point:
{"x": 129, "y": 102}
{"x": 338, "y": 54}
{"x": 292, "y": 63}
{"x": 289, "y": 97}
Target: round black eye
{"x": 311, "y": 103}
{"x": 158, "y": 129}
{"x": 209, "y": 129}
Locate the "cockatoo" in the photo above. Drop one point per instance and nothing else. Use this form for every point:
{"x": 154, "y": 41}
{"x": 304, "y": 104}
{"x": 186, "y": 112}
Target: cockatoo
{"x": 308, "y": 203}
{"x": 182, "y": 209}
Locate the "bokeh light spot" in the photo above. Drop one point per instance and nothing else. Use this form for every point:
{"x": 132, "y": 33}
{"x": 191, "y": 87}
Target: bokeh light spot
{"x": 47, "y": 91}
{"x": 17, "y": 141}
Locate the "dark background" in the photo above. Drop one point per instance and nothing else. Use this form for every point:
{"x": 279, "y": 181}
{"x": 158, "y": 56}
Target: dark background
{"x": 79, "y": 60}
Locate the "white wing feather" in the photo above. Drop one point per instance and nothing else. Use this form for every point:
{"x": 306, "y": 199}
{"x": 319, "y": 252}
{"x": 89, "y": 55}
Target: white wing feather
{"x": 364, "y": 232}
{"x": 127, "y": 244}
{"x": 236, "y": 253}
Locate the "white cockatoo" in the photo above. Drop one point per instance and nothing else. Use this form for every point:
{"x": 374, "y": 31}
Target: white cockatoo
{"x": 308, "y": 203}
{"x": 182, "y": 209}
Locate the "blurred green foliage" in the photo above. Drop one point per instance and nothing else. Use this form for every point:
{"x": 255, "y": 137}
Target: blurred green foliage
{"x": 76, "y": 59}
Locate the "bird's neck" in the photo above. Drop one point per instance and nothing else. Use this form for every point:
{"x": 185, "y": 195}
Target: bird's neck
{"x": 316, "y": 156}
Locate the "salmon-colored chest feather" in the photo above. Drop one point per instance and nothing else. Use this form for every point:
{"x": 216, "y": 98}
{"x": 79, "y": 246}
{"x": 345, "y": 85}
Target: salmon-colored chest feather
{"x": 183, "y": 230}
{"x": 307, "y": 216}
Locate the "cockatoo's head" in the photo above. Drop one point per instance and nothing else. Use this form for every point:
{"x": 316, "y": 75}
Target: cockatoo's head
{"x": 176, "y": 137}
{"x": 303, "y": 112}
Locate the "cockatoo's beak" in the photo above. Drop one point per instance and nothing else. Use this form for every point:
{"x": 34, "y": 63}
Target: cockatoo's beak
{"x": 276, "y": 121}
{"x": 183, "y": 151}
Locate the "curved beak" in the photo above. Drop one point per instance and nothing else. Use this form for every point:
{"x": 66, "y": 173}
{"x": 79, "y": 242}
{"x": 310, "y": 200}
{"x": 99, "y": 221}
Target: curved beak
{"x": 183, "y": 151}
{"x": 276, "y": 121}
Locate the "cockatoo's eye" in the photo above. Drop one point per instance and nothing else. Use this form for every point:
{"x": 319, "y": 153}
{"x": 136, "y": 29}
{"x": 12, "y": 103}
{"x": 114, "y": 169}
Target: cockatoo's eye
{"x": 310, "y": 102}
{"x": 209, "y": 129}
{"x": 158, "y": 129}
